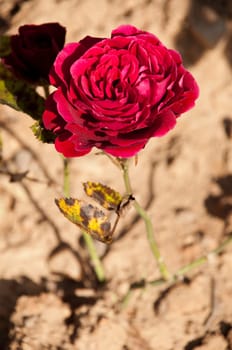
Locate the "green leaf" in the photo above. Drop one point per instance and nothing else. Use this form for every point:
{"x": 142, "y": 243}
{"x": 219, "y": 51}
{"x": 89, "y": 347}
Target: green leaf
{"x": 5, "y": 47}
{"x": 20, "y": 95}
{"x": 42, "y": 134}
{"x": 6, "y": 97}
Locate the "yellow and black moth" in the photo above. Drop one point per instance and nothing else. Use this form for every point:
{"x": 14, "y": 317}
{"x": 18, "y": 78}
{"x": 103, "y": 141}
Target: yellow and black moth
{"x": 91, "y": 219}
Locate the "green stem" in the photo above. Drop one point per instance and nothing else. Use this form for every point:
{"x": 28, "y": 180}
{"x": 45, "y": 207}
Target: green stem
{"x": 189, "y": 267}
{"x": 148, "y": 224}
{"x": 203, "y": 259}
{"x": 97, "y": 265}
{"x": 66, "y": 183}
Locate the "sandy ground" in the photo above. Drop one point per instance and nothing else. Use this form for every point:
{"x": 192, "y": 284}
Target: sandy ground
{"x": 49, "y": 296}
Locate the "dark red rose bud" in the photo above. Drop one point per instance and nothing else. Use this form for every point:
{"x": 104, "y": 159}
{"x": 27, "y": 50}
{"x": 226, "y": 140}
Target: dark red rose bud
{"x": 34, "y": 50}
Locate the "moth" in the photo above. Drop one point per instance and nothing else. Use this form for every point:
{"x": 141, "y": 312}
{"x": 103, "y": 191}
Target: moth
{"x": 92, "y": 219}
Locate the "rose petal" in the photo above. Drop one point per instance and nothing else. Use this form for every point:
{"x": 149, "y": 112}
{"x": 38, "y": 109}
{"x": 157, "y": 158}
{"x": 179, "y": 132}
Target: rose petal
{"x": 51, "y": 118}
{"x": 125, "y": 30}
{"x": 65, "y": 108}
{"x": 70, "y": 53}
{"x": 163, "y": 123}
{"x": 124, "y": 152}
{"x": 67, "y": 148}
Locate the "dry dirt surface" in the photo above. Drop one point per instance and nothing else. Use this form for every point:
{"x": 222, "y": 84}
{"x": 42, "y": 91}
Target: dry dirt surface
{"x": 49, "y": 296}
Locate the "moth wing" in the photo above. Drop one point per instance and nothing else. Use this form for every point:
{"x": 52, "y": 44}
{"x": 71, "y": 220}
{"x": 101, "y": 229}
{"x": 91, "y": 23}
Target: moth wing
{"x": 107, "y": 197}
{"x": 89, "y": 218}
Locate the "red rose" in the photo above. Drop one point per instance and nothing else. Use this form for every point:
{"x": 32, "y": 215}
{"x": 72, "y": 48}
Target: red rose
{"x": 115, "y": 94}
{"x": 34, "y": 50}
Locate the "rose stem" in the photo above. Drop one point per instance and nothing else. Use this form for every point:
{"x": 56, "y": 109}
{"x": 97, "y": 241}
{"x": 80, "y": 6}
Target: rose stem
{"x": 66, "y": 184}
{"x": 149, "y": 228}
{"x": 203, "y": 259}
{"x": 97, "y": 265}
{"x": 179, "y": 274}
